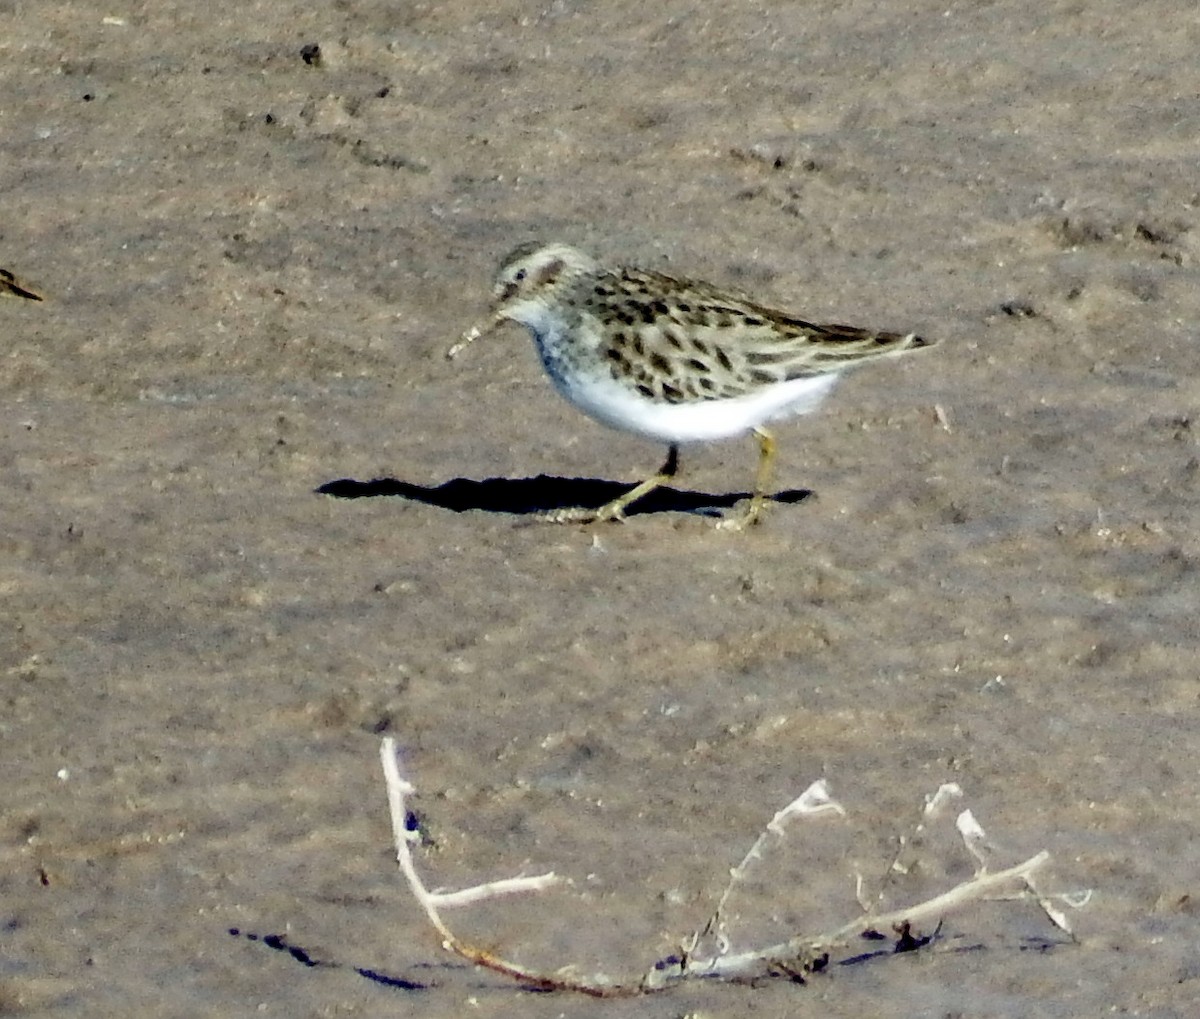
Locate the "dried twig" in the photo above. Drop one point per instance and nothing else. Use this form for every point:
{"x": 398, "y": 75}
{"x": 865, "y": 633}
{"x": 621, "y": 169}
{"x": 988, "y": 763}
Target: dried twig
{"x": 795, "y": 957}
{"x": 815, "y": 800}
{"x": 398, "y": 789}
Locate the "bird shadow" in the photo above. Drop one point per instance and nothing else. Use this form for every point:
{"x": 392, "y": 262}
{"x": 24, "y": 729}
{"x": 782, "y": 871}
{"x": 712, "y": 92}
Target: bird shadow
{"x": 529, "y": 496}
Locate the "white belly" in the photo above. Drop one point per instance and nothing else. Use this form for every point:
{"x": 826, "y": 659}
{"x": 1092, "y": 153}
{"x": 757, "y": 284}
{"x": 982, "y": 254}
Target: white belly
{"x": 697, "y": 421}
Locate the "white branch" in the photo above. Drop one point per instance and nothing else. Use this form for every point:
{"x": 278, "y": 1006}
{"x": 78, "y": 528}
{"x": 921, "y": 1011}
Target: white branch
{"x": 810, "y": 946}
{"x": 495, "y": 889}
{"x": 398, "y": 788}
{"x": 793, "y": 956}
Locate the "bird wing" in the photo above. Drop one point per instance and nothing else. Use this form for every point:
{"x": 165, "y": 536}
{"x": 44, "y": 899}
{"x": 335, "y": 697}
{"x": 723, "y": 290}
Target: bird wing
{"x": 710, "y": 343}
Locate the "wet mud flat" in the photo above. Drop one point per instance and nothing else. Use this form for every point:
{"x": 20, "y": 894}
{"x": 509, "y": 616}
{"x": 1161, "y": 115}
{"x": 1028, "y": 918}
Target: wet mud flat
{"x": 252, "y": 258}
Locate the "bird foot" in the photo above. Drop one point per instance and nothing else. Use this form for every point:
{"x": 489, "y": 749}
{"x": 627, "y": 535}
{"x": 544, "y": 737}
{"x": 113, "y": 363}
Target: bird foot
{"x": 742, "y": 520}
{"x": 583, "y": 514}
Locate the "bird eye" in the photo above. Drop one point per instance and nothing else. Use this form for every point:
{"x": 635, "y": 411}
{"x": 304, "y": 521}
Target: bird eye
{"x": 519, "y": 275}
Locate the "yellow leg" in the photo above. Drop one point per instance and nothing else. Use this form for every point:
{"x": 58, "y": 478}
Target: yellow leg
{"x": 615, "y": 510}
{"x": 766, "y": 460}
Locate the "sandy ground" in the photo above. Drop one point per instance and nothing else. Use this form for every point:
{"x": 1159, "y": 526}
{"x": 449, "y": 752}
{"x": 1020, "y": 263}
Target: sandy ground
{"x": 252, "y": 266}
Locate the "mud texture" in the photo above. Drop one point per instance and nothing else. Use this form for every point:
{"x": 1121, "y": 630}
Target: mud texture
{"x": 257, "y": 227}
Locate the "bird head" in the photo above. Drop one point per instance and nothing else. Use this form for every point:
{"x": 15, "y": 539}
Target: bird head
{"x": 527, "y": 280}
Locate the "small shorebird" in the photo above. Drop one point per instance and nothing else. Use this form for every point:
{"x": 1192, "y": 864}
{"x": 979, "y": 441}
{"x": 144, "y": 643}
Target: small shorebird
{"x": 673, "y": 360}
